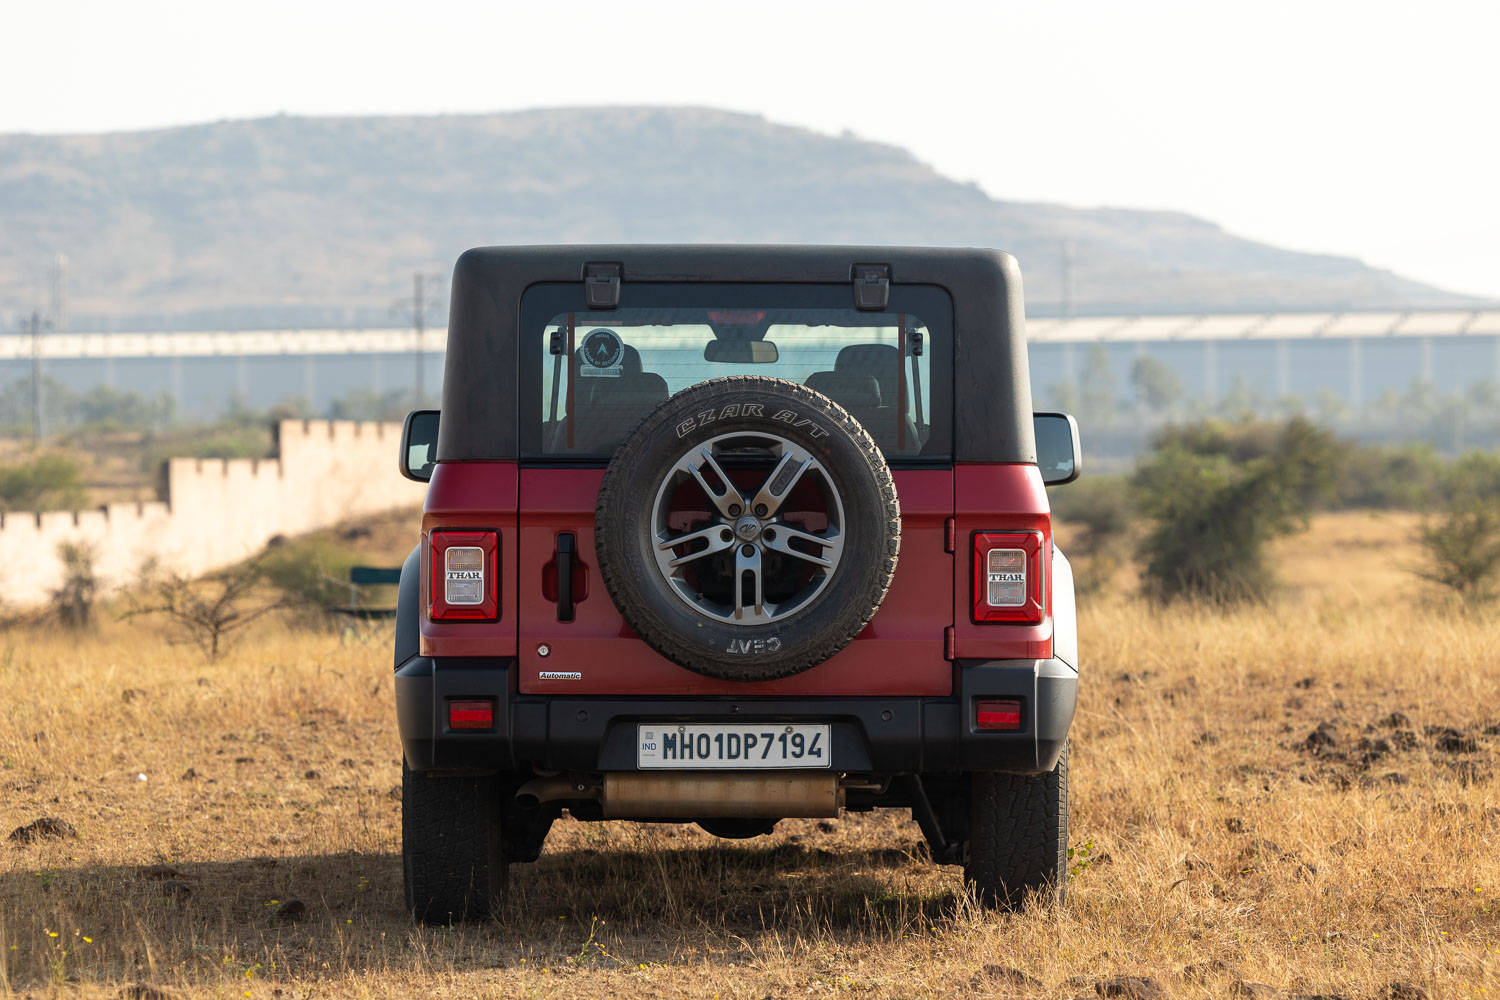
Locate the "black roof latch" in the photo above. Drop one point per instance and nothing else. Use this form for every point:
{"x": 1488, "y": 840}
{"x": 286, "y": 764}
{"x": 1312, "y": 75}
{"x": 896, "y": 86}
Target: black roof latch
{"x": 601, "y": 285}
{"x": 872, "y": 286}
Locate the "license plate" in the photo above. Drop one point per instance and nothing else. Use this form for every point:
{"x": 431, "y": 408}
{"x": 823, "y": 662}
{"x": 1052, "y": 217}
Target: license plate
{"x": 733, "y": 745}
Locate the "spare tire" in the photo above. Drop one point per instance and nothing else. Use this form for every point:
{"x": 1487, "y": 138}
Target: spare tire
{"x": 748, "y": 528}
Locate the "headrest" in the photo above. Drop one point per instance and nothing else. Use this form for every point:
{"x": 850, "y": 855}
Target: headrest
{"x": 867, "y": 359}
{"x": 847, "y": 390}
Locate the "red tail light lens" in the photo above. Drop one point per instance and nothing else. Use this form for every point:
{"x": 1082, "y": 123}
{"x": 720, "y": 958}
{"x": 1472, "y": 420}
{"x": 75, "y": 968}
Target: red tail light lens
{"x": 464, "y": 584}
{"x": 478, "y": 713}
{"x": 997, "y": 714}
{"x": 1009, "y": 576}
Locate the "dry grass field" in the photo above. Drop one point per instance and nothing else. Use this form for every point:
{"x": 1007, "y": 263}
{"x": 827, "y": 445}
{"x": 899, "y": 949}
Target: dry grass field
{"x": 1302, "y": 795}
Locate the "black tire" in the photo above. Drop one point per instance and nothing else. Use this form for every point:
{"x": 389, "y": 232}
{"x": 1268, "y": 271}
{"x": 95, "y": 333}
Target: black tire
{"x": 1018, "y": 837}
{"x": 451, "y": 847}
{"x": 854, "y": 588}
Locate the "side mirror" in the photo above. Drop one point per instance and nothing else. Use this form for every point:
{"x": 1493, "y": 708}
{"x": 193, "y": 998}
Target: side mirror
{"x": 419, "y": 445}
{"x": 1058, "y": 452}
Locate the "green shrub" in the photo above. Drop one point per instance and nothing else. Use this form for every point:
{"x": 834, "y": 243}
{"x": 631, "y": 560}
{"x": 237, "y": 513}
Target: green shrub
{"x": 313, "y": 573}
{"x": 1216, "y": 493}
{"x": 1100, "y": 507}
{"x": 1463, "y": 549}
{"x": 1463, "y": 544}
{"x": 73, "y": 602}
{"x": 1402, "y": 477}
{"x": 48, "y": 482}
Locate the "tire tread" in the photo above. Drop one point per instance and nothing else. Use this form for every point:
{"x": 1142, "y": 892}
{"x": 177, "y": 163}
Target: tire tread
{"x": 1018, "y": 842}
{"x": 450, "y": 847}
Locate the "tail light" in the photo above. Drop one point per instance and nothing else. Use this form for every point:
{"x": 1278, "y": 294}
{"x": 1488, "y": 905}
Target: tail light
{"x": 1009, "y": 576}
{"x": 465, "y": 581}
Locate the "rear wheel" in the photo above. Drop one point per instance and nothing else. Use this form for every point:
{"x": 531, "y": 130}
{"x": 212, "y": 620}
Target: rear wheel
{"x": 1018, "y": 835}
{"x": 451, "y": 847}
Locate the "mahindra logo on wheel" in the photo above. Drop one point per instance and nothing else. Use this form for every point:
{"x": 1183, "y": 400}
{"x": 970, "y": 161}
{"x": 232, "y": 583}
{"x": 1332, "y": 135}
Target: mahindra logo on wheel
{"x": 789, "y": 417}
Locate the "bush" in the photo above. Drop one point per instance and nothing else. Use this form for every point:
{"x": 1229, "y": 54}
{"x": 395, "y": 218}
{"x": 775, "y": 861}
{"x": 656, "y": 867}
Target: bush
{"x": 1406, "y": 477}
{"x": 73, "y": 602}
{"x": 312, "y": 573}
{"x": 1464, "y": 550}
{"x": 1100, "y": 507}
{"x": 1463, "y": 546}
{"x": 47, "y": 482}
{"x": 1217, "y": 493}
{"x": 207, "y": 611}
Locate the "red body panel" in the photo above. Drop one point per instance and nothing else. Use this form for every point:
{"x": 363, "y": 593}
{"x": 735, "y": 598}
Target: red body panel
{"x": 999, "y": 498}
{"x": 899, "y": 653}
{"x": 477, "y": 495}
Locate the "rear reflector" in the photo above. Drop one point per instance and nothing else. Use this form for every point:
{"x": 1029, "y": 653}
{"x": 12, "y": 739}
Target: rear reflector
{"x": 477, "y": 714}
{"x": 997, "y": 714}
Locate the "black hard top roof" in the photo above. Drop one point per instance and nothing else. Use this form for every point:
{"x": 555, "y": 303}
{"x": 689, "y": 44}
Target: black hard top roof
{"x": 992, "y": 395}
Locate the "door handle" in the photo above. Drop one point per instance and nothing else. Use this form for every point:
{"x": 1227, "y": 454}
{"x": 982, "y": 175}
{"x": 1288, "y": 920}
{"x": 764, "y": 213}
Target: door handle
{"x": 565, "y": 577}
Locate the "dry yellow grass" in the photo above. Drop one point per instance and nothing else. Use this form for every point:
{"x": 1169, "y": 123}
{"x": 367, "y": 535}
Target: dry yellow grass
{"x": 1220, "y": 844}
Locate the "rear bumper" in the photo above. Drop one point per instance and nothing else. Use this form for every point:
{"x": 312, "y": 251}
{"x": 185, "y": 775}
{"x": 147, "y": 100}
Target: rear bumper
{"x": 597, "y": 733}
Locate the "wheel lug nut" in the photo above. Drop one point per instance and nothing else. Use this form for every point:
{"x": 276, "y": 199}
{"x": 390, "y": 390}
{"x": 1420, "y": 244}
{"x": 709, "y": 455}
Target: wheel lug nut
{"x": 747, "y": 550}
{"x": 735, "y": 509}
{"x": 761, "y": 510}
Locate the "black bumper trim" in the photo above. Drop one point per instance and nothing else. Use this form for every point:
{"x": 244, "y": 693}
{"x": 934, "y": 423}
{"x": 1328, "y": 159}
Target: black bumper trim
{"x": 596, "y": 733}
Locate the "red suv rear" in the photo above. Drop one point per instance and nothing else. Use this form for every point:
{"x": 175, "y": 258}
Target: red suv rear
{"x": 727, "y": 535}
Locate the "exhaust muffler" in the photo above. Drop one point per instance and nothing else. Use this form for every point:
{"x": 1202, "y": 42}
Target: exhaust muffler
{"x": 700, "y": 795}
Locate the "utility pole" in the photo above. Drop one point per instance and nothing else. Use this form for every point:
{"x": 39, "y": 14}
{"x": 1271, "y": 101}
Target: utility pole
{"x": 1067, "y": 279}
{"x": 35, "y": 329}
{"x": 414, "y": 310}
{"x": 418, "y": 318}
{"x": 59, "y": 316}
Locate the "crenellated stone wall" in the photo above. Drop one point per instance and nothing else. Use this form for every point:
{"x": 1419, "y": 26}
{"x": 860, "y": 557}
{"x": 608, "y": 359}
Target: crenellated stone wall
{"x": 217, "y": 511}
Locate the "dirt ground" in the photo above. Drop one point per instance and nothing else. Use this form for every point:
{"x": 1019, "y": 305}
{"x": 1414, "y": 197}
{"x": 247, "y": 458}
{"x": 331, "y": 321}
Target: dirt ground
{"x": 1301, "y": 796}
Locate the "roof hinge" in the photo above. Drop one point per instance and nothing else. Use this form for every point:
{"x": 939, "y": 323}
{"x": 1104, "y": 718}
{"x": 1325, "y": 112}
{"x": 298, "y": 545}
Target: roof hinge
{"x": 601, "y": 285}
{"x": 950, "y": 645}
{"x": 872, "y": 286}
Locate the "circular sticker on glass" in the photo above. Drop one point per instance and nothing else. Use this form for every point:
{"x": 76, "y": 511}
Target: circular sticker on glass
{"x": 602, "y": 349}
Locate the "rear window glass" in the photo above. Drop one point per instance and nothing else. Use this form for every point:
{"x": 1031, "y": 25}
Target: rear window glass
{"x": 599, "y": 373}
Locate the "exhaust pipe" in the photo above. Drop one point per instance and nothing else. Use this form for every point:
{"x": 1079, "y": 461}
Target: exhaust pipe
{"x": 550, "y": 789}
{"x": 700, "y": 795}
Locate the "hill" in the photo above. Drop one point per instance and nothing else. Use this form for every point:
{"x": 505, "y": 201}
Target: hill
{"x": 293, "y": 220}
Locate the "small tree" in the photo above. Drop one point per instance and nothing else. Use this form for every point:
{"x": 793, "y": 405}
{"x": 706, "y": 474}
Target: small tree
{"x": 1156, "y": 384}
{"x": 1217, "y": 494}
{"x": 1096, "y": 389}
{"x": 207, "y": 611}
{"x": 74, "y": 600}
{"x": 1463, "y": 545}
{"x": 47, "y": 482}
{"x": 1463, "y": 549}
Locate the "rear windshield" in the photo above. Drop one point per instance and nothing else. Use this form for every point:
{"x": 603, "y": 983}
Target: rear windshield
{"x": 598, "y": 373}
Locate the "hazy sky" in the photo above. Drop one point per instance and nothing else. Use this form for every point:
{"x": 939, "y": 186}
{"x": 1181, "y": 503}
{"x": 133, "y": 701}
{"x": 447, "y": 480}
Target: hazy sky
{"x": 1361, "y": 128}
